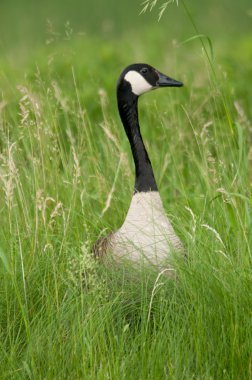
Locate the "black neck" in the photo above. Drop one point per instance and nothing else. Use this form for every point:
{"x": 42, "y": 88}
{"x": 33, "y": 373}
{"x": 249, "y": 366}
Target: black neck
{"x": 127, "y": 105}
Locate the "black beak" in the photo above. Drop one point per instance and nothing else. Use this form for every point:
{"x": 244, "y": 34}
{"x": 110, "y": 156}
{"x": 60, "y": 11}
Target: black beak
{"x": 164, "y": 81}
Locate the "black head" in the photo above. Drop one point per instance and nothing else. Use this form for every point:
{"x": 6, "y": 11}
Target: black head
{"x": 142, "y": 78}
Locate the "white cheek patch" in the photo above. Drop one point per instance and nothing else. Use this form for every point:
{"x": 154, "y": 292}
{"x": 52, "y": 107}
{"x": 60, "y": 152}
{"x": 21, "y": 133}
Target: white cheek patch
{"x": 138, "y": 84}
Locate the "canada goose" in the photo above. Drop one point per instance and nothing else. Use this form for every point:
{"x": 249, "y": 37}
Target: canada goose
{"x": 146, "y": 234}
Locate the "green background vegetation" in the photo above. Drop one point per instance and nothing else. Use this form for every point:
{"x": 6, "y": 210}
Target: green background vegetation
{"x": 66, "y": 178}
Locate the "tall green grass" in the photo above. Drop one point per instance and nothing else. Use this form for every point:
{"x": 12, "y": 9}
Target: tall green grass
{"x": 66, "y": 178}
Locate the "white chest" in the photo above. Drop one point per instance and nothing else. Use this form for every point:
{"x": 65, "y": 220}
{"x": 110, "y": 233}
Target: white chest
{"x": 146, "y": 233}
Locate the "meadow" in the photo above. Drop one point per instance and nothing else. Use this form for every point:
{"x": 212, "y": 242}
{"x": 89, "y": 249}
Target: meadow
{"x": 67, "y": 176}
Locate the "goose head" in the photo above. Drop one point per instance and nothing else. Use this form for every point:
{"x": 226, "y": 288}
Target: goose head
{"x": 141, "y": 77}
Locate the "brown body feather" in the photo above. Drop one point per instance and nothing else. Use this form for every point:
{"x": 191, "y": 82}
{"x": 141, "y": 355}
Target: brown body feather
{"x": 102, "y": 246}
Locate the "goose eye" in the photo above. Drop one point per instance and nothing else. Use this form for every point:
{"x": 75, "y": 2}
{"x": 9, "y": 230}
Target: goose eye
{"x": 144, "y": 70}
